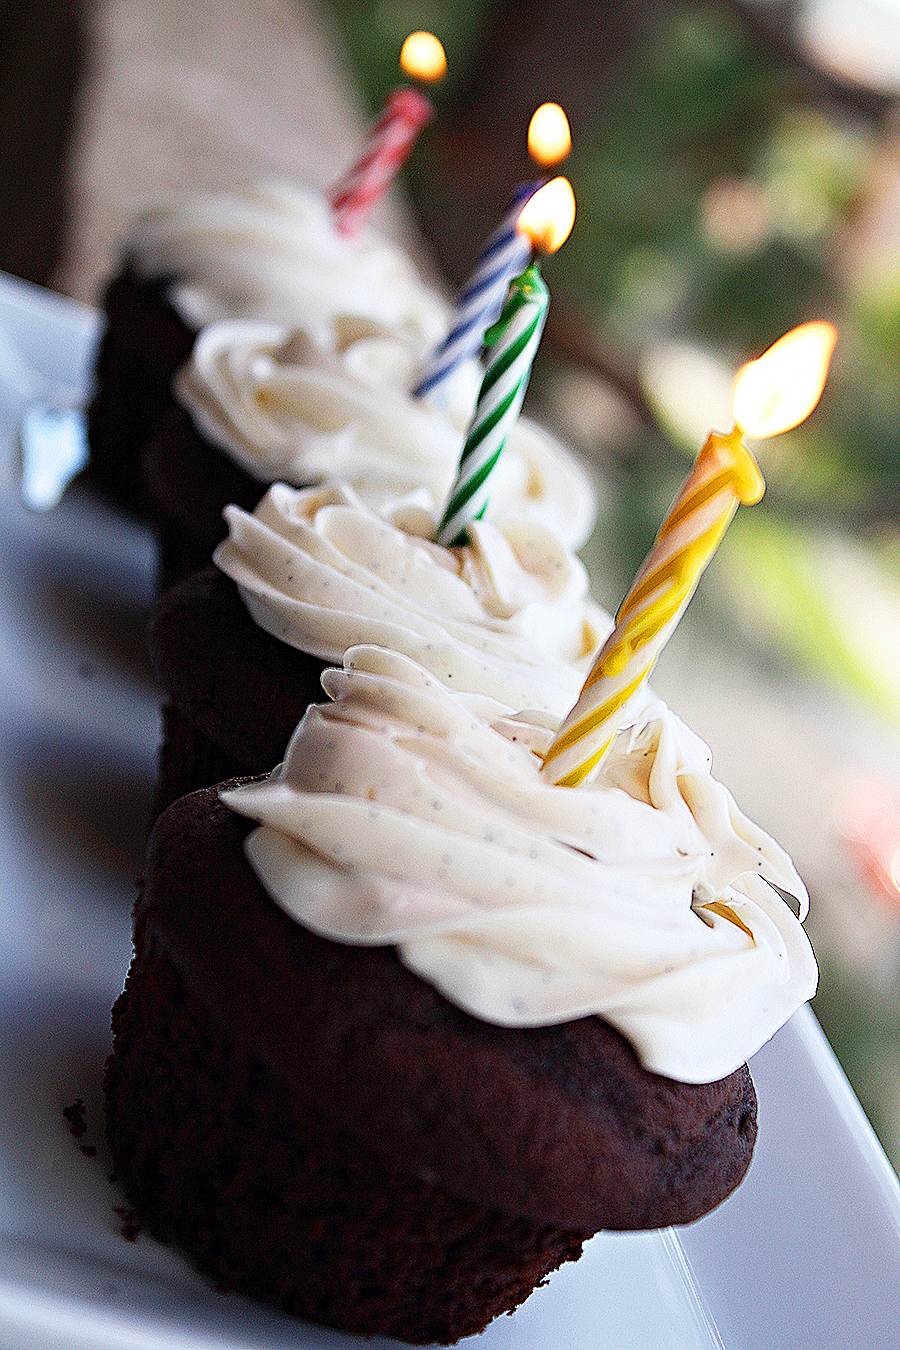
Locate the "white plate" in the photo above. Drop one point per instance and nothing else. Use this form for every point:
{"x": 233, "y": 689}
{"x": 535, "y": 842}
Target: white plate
{"x": 806, "y": 1253}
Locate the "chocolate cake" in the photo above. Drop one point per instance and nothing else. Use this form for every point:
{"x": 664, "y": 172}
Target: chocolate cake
{"x": 144, "y": 342}
{"x": 319, "y": 1128}
{"x": 508, "y": 615}
{"x": 189, "y": 483}
{"x": 269, "y": 251}
{"x": 388, "y": 1056}
{"x": 234, "y": 693}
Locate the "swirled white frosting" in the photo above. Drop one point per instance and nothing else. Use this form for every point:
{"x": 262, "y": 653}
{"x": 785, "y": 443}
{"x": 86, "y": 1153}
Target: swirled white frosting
{"x": 272, "y": 252}
{"x": 507, "y": 615}
{"x": 406, "y": 813}
{"x": 302, "y": 406}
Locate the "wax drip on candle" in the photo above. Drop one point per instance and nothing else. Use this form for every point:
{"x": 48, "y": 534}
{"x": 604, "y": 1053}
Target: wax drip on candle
{"x": 771, "y": 395}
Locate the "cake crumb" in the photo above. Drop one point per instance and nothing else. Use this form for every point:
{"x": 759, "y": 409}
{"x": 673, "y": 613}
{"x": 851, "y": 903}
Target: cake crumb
{"x": 76, "y": 1118}
{"x": 130, "y": 1226}
{"x": 75, "y": 1115}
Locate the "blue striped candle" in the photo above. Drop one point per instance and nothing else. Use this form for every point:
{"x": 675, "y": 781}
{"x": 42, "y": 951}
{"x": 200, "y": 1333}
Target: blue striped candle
{"x": 506, "y": 253}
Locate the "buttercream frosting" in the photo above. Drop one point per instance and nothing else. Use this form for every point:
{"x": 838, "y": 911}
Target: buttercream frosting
{"x": 272, "y": 251}
{"x": 508, "y": 614}
{"x": 410, "y": 814}
{"x": 332, "y": 401}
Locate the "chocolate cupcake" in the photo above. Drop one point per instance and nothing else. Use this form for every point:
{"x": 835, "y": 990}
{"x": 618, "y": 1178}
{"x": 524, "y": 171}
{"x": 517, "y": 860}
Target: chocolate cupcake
{"x": 144, "y": 342}
{"x": 259, "y": 403}
{"x": 234, "y": 693}
{"x": 189, "y": 483}
{"x": 315, "y": 571}
{"x": 389, "y": 1058}
{"x": 269, "y": 252}
{"x": 270, "y": 404}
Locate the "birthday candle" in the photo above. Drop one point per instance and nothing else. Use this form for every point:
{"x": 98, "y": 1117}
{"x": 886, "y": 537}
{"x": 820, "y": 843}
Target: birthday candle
{"x": 771, "y": 395}
{"x": 390, "y": 137}
{"x": 513, "y": 340}
{"x": 546, "y": 219}
{"x": 507, "y": 252}
{"x": 480, "y": 300}
{"x": 386, "y": 147}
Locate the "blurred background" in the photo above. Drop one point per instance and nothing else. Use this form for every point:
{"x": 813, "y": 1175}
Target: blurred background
{"x": 737, "y": 171}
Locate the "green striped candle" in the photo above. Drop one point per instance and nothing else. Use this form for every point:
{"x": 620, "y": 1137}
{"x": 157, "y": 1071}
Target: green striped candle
{"x": 513, "y": 341}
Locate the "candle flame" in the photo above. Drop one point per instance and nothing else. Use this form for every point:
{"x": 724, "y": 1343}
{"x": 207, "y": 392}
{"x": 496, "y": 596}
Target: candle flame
{"x": 422, "y": 57}
{"x": 781, "y": 388}
{"x": 549, "y": 137}
{"x": 547, "y": 217}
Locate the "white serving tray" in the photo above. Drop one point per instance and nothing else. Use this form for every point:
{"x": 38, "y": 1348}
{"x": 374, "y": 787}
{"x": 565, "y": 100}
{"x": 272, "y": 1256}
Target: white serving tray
{"x": 805, "y": 1254}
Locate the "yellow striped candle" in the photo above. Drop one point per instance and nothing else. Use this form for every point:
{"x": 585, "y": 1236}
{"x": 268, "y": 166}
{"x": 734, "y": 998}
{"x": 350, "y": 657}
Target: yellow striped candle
{"x": 771, "y": 395}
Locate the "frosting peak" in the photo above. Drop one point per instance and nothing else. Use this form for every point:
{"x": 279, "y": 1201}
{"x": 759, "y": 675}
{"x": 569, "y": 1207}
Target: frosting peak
{"x": 408, "y": 813}
{"x": 507, "y": 615}
{"x": 272, "y": 252}
{"x": 332, "y": 401}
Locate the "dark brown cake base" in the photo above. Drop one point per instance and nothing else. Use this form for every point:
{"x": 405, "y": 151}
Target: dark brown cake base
{"x": 318, "y": 1127}
{"x": 188, "y": 759}
{"x": 272, "y": 1202}
{"x": 235, "y": 692}
{"x": 144, "y": 343}
{"x": 191, "y": 482}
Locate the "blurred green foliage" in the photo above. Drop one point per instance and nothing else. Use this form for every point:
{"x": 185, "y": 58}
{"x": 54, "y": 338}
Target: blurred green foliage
{"x": 717, "y": 186}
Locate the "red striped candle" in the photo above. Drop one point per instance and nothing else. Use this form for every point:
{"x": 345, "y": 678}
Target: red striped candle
{"x": 387, "y": 145}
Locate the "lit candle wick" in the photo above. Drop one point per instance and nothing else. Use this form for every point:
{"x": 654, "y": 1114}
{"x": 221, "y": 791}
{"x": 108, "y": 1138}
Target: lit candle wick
{"x": 422, "y": 57}
{"x": 549, "y": 137}
{"x": 771, "y": 395}
{"x": 547, "y": 217}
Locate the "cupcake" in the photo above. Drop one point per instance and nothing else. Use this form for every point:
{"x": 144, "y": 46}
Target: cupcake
{"x": 314, "y": 571}
{"x": 405, "y": 1024}
{"x": 265, "y": 403}
{"x": 270, "y": 252}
